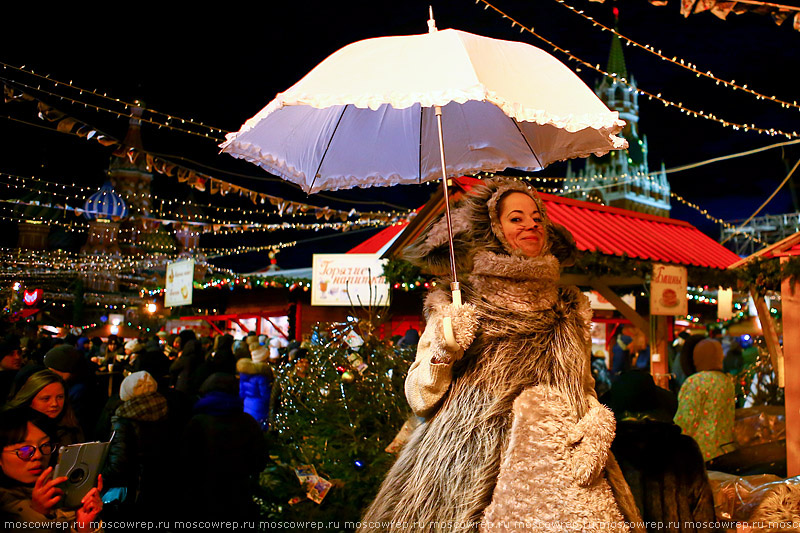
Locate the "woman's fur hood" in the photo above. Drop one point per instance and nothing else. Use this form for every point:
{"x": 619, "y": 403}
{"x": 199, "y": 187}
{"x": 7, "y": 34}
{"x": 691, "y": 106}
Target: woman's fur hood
{"x": 248, "y": 366}
{"x": 476, "y": 226}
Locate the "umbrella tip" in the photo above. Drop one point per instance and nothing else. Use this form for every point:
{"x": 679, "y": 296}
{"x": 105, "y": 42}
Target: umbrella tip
{"x": 431, "y": 21}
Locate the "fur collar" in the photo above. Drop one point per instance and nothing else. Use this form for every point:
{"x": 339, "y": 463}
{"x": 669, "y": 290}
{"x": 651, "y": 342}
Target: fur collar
{"x": 248, "y": 366}
{"x": 516, "y": 282}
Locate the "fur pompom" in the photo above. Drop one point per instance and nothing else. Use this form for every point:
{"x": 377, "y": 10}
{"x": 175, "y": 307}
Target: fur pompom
{"x": 592, "y": 437}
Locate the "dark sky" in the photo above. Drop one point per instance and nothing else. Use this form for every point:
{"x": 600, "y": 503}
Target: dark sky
{"x": 221, "y": 63}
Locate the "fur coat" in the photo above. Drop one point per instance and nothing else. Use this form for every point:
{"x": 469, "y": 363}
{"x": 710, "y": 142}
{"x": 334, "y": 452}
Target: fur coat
{"x": 512, "y": 429}
{"x": 474, "y": 455}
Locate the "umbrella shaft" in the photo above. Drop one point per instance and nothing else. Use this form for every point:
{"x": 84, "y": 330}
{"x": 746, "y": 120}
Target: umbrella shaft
{"x": 446, "y": 194}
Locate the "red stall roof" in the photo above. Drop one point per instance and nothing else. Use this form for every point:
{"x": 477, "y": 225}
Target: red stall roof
{"x": 380, "y": 240}
{"x": 615, "y": 231}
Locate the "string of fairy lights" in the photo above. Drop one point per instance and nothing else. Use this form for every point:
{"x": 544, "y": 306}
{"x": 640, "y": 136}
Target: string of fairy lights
{"x": 736, "y": 126}
{"x": 679, "y": 62}
{"x": 168, "y": 121}
{"x": 169, "y": 210}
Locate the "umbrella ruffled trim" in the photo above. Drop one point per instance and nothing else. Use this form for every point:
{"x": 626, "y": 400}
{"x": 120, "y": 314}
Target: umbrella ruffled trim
{"x": 608, "y": 120}
{"x": 279, "y": 167}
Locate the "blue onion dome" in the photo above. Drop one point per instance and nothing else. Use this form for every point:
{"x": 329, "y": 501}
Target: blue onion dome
{"x": 105, "y": 204}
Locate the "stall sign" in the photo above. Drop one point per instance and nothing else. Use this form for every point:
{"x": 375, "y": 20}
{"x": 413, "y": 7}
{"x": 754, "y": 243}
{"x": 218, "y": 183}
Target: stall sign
{"x": 349, "y": 279}
{"x": 668, "y": 285}
{"x": 725, "y": 304}
{"x": 33, "y": 297}
{"x": 598, "y": 301}
{"x": 178, "y": 291}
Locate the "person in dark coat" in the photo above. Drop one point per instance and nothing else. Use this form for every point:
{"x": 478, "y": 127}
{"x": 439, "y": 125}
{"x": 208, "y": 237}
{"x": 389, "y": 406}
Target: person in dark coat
{"x": 153, "y": 361}
{"x": 219, "y": 359}
{"x": 664, "y": 468}
{"x": 10, "y": 363}
{"x": 139, "y": 458}
{"x": 189, "y": 359}
{"x": 222, "y": 452}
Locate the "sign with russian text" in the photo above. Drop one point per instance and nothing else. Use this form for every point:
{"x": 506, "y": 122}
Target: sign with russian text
{"x": 668, "y": 285}
{"x": 349, "y": 279}
{"x": 178, "y": 291}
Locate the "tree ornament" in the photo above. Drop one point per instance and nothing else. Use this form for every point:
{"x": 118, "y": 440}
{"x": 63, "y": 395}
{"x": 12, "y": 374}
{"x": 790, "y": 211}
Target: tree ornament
{"x": 348, "y": 377}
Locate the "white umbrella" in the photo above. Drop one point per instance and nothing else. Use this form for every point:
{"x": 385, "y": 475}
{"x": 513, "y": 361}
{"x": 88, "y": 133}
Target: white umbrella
{"x": 365, "y": 116}
{"x": 385, "y": 111}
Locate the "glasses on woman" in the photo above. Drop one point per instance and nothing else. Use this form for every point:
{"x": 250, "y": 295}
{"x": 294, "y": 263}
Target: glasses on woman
{"x": 27, "y": 452}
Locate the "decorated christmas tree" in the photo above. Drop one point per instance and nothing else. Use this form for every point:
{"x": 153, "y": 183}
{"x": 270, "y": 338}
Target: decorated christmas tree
{"x": 332, "y": 425}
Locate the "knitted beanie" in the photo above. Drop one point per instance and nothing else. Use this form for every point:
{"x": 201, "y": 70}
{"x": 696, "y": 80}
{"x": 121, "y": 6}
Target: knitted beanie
{"x": 260, "y": 354}
{"x": 137, "y": 384}
{"x": 134, "y": 346}
{"x": 707, "y": 355}
{"x": 64, "y": 358}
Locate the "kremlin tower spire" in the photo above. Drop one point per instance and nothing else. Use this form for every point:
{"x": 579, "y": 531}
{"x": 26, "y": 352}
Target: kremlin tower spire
{"x": 621, "y": 178}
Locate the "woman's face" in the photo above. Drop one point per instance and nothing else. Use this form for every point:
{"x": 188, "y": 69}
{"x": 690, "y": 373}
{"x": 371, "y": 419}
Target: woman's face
{"x": 19, "y": 469}
{"x": 522, "y": 223}
{"x": 50, "y": 400}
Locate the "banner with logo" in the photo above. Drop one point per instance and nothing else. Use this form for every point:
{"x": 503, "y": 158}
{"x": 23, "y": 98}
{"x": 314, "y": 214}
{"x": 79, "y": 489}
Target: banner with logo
{"x": 349, "y": 279}
{"x": 178, "y": 291}
{"x": 668, "y": 285}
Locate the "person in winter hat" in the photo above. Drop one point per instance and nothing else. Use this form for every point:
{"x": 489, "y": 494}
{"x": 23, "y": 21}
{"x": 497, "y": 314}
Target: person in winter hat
{"x": 221, "y": 454}
{"x": 513, "y": 430}
{"x": 137, "y": 456}
{"x": 707, "y": 401}
{"x": 664, "y": 468}
{"x": 255, "y": 385}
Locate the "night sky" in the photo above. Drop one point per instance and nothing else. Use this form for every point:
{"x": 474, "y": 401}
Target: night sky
{"x": 221, "y": 63}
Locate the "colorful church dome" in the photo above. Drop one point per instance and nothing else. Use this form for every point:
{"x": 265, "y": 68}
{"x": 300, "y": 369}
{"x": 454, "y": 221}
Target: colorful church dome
{"x": 105, "y": 204}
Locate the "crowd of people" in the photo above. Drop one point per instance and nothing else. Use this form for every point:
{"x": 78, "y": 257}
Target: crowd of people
{"x": 184, "y": 416}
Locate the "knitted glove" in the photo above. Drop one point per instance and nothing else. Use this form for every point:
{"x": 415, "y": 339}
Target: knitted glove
{"x": 465, "y": 325}
{"x": 591, "y": 438}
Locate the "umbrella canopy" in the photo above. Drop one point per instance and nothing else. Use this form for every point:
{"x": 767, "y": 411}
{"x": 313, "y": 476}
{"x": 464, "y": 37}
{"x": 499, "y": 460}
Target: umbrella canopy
{"x": 365, "y": 116}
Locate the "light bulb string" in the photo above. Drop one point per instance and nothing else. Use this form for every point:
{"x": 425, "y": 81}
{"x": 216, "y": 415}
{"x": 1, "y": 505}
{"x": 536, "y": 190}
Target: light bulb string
{"x": 70, "y": 85}
{"x": 680, "y": 62}
{"x": 667, "y": 103}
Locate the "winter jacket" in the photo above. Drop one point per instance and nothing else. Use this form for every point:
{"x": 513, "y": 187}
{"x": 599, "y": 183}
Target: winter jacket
{"x": 222, "y": 451}
{"x": 255, "y": 388}
{"x": 141, "y": 454}
{"x": 183, "y": 369}
{"x": 666, "y": 473}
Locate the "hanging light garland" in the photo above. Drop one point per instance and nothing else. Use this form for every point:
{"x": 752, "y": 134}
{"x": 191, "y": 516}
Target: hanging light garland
{"x": 651, "y": 96}
{"x": 681, "y": 62}
{"x": 161, "y": 120}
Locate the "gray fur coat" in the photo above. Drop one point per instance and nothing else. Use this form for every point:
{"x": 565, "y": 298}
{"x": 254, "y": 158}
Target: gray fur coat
{"x": 518, "y": 434}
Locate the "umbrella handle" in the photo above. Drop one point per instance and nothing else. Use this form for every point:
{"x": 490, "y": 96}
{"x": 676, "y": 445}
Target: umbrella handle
{"x": 447, "y": 323}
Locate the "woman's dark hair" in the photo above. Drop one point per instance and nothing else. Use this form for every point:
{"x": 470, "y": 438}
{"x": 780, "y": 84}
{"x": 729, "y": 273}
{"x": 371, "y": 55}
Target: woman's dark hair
{"x": 14, "y": 425}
